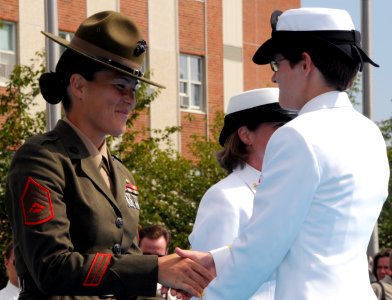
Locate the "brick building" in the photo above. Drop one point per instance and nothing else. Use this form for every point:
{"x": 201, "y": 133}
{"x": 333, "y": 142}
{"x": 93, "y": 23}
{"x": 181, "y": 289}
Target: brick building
{"x": 200, "y": 50}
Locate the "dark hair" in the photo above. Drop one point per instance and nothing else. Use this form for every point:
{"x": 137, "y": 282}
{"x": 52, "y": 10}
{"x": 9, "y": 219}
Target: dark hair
{"x": 233, "y": 154}
{"x": 8, "y": 250}
{"x": 54, "y": 85}
{"x": 154, "y": 232}
{"x": 383, "y": 253}
{"x": 338, "y": 69}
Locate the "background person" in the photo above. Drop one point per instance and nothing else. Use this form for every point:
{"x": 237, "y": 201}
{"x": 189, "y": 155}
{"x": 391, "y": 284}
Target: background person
{"x": 155, "y": 240}
{"x": 74, "y": 207}
{"x": 381, "y": 264}
{"x": 225, "y": 209}
{"x": 11, "y": 290}
{"x": 325, "y": 173}
{"x": 383, "y": 287}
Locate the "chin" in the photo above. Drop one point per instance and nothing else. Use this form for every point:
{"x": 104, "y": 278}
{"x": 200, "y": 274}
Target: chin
{"x": 118, "y": 132}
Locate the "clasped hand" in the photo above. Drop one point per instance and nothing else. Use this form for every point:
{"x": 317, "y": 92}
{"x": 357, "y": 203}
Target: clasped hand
{"x": 186, "y": 272}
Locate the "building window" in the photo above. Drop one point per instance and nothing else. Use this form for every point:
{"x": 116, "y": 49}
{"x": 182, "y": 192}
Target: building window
{"x": 191, "y": 82}
{"x": 7, "y": 49}
{"x": 66, "y": 36}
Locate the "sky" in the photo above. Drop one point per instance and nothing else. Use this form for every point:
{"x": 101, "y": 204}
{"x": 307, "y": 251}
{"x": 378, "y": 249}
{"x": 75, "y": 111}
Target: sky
{"x": 381, "y": 49}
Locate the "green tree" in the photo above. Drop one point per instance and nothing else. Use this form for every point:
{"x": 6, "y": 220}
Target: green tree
{"x": 18, "y": 123}
{"x": 385, "y": 220}
{"x": 170, "y": 186}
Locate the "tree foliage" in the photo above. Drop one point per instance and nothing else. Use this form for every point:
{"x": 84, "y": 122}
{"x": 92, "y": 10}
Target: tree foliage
{"x": 385, "y": 220}
{"x": 18, "y": 123}
{"x": 170, "y": 186}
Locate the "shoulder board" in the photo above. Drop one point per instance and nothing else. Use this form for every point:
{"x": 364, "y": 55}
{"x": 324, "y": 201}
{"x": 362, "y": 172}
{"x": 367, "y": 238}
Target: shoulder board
{"x": 44, "y": 137}
{"x": 115, "y": 157}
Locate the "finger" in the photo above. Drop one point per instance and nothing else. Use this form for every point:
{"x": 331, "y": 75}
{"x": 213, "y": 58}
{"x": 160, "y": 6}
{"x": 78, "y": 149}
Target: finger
{"x": 183, "y": 253}
{"x": 203, "y": 258}
{"x": 196, "y": 277}
{"x": 202, "y": 271}
{"x": 164, "y": 290}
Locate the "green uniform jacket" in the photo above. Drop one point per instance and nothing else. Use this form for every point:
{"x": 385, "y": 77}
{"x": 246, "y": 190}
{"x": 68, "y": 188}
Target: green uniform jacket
{"x": 72, "y": 236}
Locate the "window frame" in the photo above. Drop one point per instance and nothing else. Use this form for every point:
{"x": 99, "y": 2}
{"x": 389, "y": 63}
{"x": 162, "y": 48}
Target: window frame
{"x": 12, "y": 52}
{"x": 189, "y": 82}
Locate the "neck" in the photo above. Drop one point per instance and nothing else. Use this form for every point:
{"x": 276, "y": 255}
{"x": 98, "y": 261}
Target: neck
{"x": 98, "y": 141}
{"x": 317, "y": 86}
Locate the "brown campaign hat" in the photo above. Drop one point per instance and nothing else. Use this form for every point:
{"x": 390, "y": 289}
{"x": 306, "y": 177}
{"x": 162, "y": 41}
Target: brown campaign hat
{"x": 112, "y": 39}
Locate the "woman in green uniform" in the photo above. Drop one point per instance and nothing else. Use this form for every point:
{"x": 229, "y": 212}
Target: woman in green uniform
{"x": 72, "y": 205}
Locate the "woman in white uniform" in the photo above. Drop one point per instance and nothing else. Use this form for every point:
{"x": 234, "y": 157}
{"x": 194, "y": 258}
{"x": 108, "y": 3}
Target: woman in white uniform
{"x": 225, "y": 209}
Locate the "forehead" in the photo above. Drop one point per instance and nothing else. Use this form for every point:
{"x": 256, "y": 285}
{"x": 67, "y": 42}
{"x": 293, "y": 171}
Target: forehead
{"x": 153, "y": 243}
{"x": 383, "y": 261}
{"x": 113, "y": 74}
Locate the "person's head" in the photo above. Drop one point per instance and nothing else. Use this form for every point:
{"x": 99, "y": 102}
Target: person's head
{"x": 311, "y": 51}
{"x": 382, "y": 264}
{"x": 154, "y": 240}
{"x": 9, "y": 264}
{"x": 97, "y": 75}
{"x": 251, "y": 119}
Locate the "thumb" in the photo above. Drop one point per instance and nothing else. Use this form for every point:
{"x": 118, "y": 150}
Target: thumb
{"x": 183, "y": 253}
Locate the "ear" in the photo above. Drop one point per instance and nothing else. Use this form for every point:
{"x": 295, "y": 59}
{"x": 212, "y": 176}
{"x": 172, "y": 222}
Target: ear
{"x": 307, "y": 63}
{"x": 77, "y": 83}
{"x": 243, "y": 133}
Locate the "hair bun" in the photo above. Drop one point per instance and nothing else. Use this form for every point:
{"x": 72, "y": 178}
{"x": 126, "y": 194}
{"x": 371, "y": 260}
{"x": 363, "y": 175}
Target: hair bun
{"x": 52, "y": 87}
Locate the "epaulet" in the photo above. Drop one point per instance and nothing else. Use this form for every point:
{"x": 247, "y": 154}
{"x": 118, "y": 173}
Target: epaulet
{"x": 115, "y": 157}
{"x": 44, "y": 137}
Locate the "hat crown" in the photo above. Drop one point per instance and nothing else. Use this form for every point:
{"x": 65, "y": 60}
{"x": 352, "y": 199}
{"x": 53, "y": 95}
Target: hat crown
{"x": 113, "y": 32}
{"x": 325, "y": 28}
{"x": 111, "y": 39}
{"x": 315, "y": 19}
{"x": 252, "y": 98}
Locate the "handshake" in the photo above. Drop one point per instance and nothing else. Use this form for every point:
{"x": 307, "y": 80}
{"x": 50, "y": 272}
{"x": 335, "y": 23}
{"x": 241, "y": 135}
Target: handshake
{"x": 186, "y": 272}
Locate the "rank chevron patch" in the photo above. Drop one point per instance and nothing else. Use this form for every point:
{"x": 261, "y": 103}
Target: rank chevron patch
{"x": 36, "y": 203}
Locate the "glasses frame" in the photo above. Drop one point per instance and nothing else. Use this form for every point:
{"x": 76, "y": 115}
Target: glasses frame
{"x": 275, "y": 64}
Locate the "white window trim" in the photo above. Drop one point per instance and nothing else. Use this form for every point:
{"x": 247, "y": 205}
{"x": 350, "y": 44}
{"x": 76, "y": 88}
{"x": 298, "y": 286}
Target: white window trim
{"x": 189, "y": 82}
{"x": 3, "y": 80}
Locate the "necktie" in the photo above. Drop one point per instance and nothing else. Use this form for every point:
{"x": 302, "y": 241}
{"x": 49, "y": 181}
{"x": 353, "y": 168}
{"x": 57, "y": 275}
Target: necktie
{"x": 105, "y": 172}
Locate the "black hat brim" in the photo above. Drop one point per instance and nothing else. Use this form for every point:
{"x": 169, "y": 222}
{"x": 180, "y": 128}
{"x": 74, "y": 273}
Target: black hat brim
{"x": 345, "y": 42}
{"x": 254, "y": 116}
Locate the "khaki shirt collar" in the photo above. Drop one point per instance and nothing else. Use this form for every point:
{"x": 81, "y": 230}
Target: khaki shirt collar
{"x": 95, "y": 153}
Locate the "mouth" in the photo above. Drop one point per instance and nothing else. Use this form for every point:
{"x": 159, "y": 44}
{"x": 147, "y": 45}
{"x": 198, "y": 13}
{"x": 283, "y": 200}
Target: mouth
{"x": 123, "y": 114}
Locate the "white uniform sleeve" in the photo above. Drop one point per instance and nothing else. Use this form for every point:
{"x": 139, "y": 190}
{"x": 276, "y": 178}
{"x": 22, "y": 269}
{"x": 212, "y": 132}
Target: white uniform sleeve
{"x": 290, "y": 177}
{"x": 217, "y": 221}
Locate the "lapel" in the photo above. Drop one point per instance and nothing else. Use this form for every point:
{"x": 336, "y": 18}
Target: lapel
{"x": 118, "y": 185}
{"x": 78, "y": 152}
{"x": 119, "y": 181}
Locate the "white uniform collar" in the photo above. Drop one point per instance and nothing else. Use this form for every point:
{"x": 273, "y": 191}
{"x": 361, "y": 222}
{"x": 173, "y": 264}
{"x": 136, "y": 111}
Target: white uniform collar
{"x": 326, "y": 100}
{"x": 249, "y": 175}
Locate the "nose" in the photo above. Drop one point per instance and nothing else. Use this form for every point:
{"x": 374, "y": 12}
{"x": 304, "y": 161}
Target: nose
{"x": 130, "y": 98}
{"x": 273, "y": 78}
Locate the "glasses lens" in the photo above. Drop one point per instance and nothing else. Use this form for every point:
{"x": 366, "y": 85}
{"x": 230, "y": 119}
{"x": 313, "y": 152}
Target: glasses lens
{"x": 274, "y": 66}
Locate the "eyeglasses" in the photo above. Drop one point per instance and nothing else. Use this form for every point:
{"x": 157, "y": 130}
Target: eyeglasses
{"x": 275, "y": 64}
